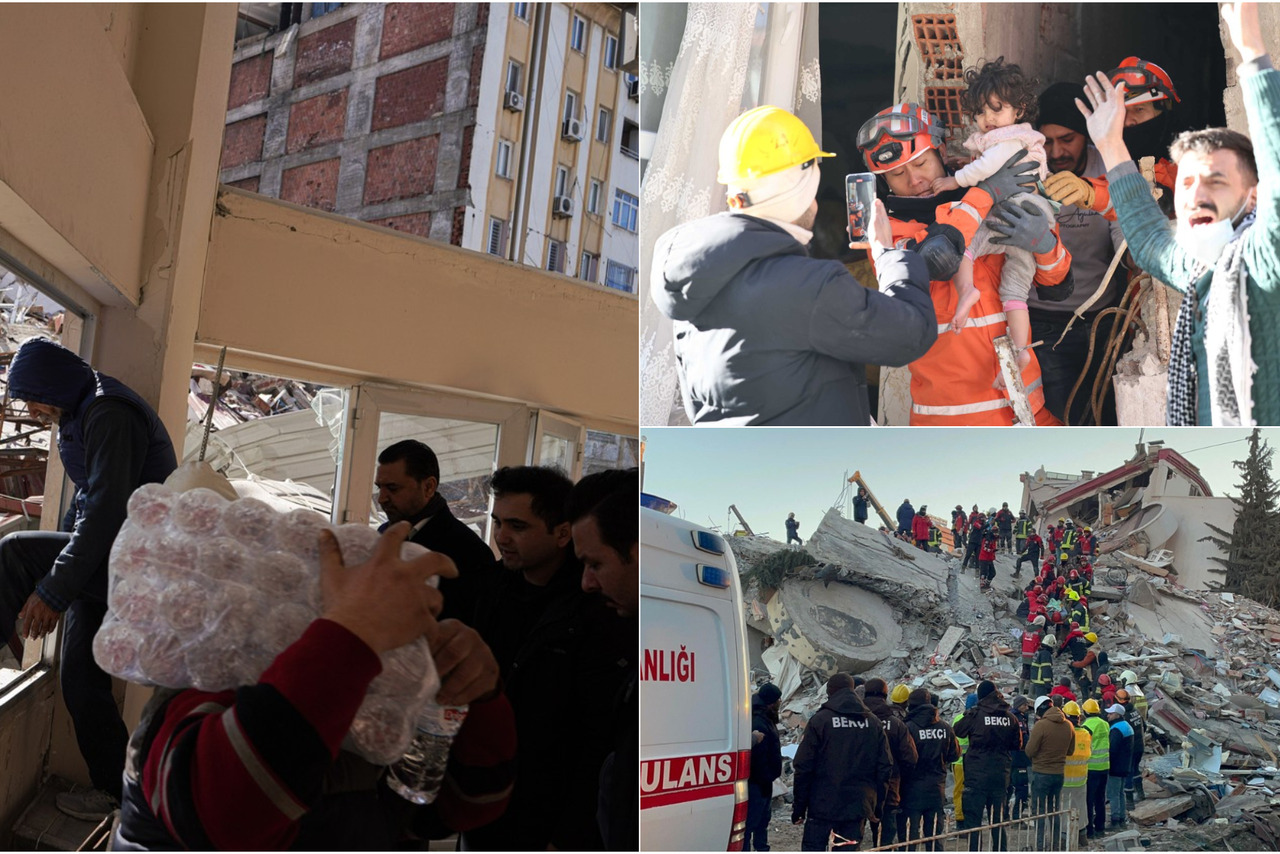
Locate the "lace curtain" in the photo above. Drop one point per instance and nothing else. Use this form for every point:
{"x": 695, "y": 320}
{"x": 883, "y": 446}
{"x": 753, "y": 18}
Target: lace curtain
{"x": 701, "y": 65}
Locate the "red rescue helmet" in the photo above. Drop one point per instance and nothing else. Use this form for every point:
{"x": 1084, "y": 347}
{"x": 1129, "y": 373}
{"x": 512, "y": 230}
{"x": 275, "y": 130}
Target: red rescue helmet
{"x": 1037, "y": 589}
{"x": 1042, "y": 599}
{"x": 897, "y": 135}
{"x": 1075, "y": 625}
{"x": 1104, "y": 679}
{"x": 1074, "y": 575}
{"x": 1145, "y": 82}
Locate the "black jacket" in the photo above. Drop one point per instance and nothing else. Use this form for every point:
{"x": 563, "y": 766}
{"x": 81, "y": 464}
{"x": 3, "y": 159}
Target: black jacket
{"x": 936, "y": 749}
{"x": 449, "y": 536}
{"x": 573, "y": 653}
{"x": 993, "y": 736}
{"x": 766, "y": 757}
{"x": 764, "y": 334}
{"x": 901, "y": 747}
{"x": 1019, "y": 756}
{"x": 905, "y": 514}
{"x": 843, "y": 762}
{"x": 859, "y": 509}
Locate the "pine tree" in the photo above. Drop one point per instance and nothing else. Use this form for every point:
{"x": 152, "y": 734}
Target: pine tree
{"x": 1252, "y": 565}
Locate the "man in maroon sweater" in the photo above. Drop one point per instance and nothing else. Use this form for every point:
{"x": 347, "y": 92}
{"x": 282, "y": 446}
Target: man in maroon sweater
{"x": 262, "y": 768}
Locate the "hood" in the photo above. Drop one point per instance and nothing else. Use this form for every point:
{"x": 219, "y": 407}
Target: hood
{"x": 922, "y": 715}
{"x": 1053, "y": 714}
{"x": 45, "y": 372}
{"x": 879, "y": 706}
{"x": 693, "y": 262}
{"x": 993, "y": 702}
{"x": 758, "y": 705}
{"x": 846, "y": 703}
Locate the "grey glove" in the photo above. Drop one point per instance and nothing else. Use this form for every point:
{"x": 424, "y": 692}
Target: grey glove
{"x": 1015, "y": 176}
{"x": 1023, "y": 226}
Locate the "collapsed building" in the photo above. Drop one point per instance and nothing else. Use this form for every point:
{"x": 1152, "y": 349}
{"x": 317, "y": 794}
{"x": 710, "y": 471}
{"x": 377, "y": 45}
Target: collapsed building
{"x": 1208, "y": 662}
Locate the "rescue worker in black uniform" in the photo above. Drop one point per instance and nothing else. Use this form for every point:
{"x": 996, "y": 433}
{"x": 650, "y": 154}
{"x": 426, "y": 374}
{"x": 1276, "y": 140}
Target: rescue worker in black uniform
{"x": 1042, "y": 668}
{"x": 993, "y": 735}
{"x": 922, "y": 787}
{"x": 1021, "y": 530}
{"x": 841, "y": 768}
{"x": 891, "y": 822}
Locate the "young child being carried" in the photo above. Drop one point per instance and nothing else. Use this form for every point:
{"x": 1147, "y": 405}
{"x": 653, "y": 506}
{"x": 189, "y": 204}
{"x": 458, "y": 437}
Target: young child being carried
{"x": 1003, "y": 103}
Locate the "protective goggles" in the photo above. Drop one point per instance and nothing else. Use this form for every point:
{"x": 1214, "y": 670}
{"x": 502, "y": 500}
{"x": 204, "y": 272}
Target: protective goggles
{"x": 1144, "y": 85}
{"x": 899, "y": 126}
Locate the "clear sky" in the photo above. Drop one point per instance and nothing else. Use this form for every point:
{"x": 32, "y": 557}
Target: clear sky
{"x": 769, "y": 472}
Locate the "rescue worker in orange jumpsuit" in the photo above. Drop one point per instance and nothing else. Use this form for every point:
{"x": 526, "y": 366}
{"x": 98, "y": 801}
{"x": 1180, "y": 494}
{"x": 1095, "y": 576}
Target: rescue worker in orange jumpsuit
{"x": 954, "y": 383}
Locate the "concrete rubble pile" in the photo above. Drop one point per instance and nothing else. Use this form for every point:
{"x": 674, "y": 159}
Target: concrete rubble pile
{"x": 1208, "y": 663}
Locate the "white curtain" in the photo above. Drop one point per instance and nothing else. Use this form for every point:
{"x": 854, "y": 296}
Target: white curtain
{"x": 701, "y": 65}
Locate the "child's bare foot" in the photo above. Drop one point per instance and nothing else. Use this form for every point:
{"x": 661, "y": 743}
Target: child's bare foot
{"x": 967, "y": 299}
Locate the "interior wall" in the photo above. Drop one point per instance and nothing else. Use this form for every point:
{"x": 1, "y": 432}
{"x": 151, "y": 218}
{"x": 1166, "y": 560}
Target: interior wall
{"x": 1190, "y": 556}
{"x": 25, "y": 725}
{"x": 376, "y": 304}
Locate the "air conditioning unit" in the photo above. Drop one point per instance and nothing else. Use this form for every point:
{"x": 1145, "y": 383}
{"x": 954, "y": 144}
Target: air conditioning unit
{"x": 572, "y": 130}
{"x": 633, "y": 88}
{"x": 513, "y": 101}
{"x": 562, "y": 206}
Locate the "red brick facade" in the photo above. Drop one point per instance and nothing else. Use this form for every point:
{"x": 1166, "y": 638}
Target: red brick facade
{"x": 402, "y": 170}
{"x": 409, "y": 26}
{"x": 250, "y": 81}
{"x": 250, "y": 184}
{"x": 325, "y": 53}
{"x": 419, "y": 223}
{"x": 316, "y": 121}
{"x": 242, "y": 142}
{"x": 411, "y": 95}
{"x": 314, "y": 185}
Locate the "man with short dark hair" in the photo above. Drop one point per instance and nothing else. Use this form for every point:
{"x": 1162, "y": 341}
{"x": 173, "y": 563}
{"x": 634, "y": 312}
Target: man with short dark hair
{"x": 1224, "y": 368}
{"x": 408, "y": 481}
{"x": 606, "y": 538}
{"x": 890, "y": 821}
{"x": 843, "y": 762}
{"x": 993, "y": 735}
{"x": 766, "y": 765}
{"x": 558, "y": 647}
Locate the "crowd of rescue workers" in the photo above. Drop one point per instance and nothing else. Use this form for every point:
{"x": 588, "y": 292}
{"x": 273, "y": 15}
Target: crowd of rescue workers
{"x": 871, "y": 767}
{"x": 1028, "y": 240}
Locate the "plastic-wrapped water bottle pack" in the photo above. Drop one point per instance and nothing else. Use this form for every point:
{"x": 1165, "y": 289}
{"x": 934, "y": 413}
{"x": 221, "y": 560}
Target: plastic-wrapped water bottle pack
{"x": 205, "y": 593}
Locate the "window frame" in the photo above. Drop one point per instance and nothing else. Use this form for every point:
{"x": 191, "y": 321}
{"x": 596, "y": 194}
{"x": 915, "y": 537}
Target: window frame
{"x": 501, "y": 226}
{"x": 611, "y": 266}
{"x": 594, "y": 193}
{"x": 502, "y": 158}
{"x": 604, "y": 123}
{"x": 571, "y": 99}
{"x": 625, "y": 202}
{"x": 610, "y": 58}
{"x": 578, "y": 34}
{"x": 519, "y": 67}
{"x": 591, "y": 261}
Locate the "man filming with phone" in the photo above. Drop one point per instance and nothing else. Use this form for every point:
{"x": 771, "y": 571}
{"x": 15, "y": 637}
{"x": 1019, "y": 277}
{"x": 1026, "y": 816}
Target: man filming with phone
{"x": 764, "y": 334}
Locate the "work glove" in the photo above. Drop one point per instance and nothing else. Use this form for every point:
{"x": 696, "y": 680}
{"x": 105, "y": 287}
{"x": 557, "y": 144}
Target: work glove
{"x": 1023, "y": 226}
{"x": 1070, "y": 189}
{"x": 1015, "y": 176}
{"x": 797, "y": 815}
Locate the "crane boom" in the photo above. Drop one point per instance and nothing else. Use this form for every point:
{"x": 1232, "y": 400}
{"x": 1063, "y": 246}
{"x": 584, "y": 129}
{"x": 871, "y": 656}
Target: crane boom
{"x": 745, "y": 526}
{"x": 890, "y": 523}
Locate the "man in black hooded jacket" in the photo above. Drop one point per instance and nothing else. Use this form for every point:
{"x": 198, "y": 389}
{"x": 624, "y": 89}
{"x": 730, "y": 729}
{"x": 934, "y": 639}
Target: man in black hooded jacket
{"x": 923, "y": 793}
{"x": 766, "y": 765}
{"x": 891, "y": 822}
{"x": 993, "y": 734}
{"x": 110, "y": 442}
{"x": 842, "y": 767}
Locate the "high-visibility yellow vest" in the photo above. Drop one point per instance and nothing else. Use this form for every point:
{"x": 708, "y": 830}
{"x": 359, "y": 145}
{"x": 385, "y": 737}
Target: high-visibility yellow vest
{"x": 1024, "y": 528}
{"x": 1068, "y": 541}
{"x": 964, "y": 742}
{"x": 1076, "y": 770}
{"x": 1042, "y": 672}
{"x": 935, "y": 537}
{"x": 1100, "y": 757}
{"x": 1139, "y": 700}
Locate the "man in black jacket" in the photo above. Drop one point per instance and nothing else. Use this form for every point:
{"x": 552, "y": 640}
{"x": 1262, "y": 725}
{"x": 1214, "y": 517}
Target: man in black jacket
{"x": 766, "y": 765}
{"x": 557, "y": 648}
{"x": 111, "y": 442}
{"x": 891, "y": 822}
{"x": 993, "y": 735}
{"x": 842, "y": 766}
{"x": 923, "y": 786}
{"x": 408, "y": 479}
{"x": 976, "y": 533}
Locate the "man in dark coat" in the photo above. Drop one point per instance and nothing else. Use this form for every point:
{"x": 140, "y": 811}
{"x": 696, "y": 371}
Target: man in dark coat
{"x": 923, "y": 785}
{"x": 408, "y": 480}
{"x": 111, "y": 442}
{"x": 766, "y": 765}
{"x": 842, "y": 766}
{"x": 860, "y": 502}
{"x": 993, "y": 736}
{"x": 973, "y": 547}
{"x": 906, "y": 515}
{"x": 891, "y": 822}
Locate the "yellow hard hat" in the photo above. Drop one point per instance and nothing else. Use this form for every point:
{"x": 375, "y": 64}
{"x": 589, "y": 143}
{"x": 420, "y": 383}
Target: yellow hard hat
{"x": 763, "y": 141}
{"x": 1091, "y": 707}
{"x": 900, "y": 694}
{"x": 1071, "y": 708}
{"x": 1073, "y": 595}
{"x": 1091, "y": 637}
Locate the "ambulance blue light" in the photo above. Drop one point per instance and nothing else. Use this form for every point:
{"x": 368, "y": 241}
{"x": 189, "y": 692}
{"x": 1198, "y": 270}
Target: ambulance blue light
{"x": 705, "y": 541}
{"x": 713, "y": 576}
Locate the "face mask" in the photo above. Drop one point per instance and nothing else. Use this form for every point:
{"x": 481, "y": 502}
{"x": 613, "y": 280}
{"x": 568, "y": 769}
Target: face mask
{"x": 1206, "y": 242}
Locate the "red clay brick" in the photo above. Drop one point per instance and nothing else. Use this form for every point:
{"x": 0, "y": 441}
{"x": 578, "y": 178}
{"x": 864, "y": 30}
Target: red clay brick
{"x": 316, "y": 121}
{"x": 459, "y": 217}
{"x": 415, "y": 223}
{"x": 250, "y": 80}
{"x": 401, "y": 170}
{"x": 325, "y": 53}
{"x": 242, "y": 141}
{"x": 473, "y": 86}
{"x": 482, "y": 15}
{"x": 411, "y": 95}
{"x": 464, "y": 169}
{"x": 250, "y": 184}
{"x": 408, "y": 26}
{"x": 313, "y": 184}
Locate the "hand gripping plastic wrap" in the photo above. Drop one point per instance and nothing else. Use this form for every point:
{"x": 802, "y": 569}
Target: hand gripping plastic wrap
{"x": 205, "y": 593}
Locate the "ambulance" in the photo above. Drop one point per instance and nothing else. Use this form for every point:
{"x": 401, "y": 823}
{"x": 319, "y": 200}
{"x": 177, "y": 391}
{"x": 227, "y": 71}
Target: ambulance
{"x": 695, "y": 729}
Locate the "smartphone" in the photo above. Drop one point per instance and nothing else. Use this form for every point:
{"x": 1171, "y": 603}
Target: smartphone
{"x": 860, "y": 196}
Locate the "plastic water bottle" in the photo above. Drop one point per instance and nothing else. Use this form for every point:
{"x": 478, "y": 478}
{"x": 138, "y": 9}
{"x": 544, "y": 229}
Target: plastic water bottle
{"x": 418, "y": 774}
